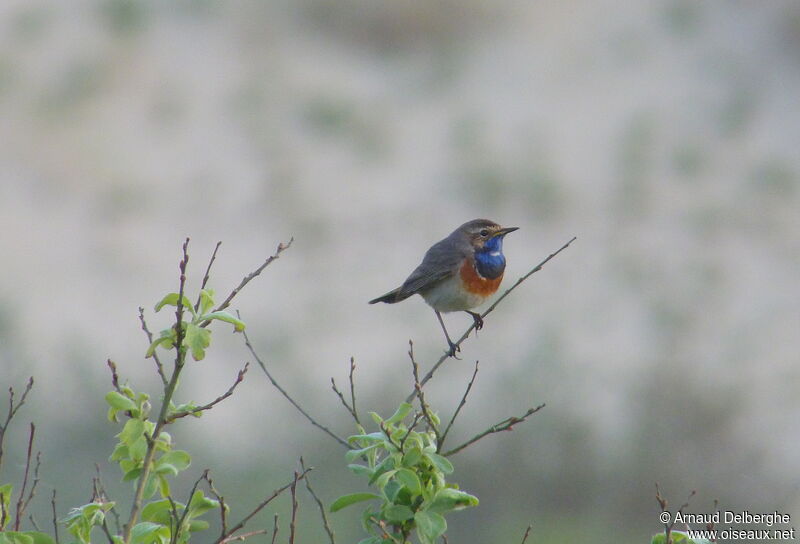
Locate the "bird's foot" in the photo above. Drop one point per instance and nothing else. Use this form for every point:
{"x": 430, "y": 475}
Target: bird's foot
{"x": 478, "y": 320}
{"x": 454, "y": 348}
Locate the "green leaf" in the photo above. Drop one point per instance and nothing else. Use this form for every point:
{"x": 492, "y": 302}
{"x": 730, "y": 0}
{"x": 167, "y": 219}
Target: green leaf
{"x": 177, "y": 458}
{"x": 131, "y": 475}
{"x": 131, "y": 432}
{"x": 410, "y": 479}
{"x": 411, "y": 457}
{"x": 40, "y": 538}
{"x": 397, "y": 513}
{"x": 12, "y": 537}
{"x": 197, "y": 525}
{"x": 402, "y": 411}
{"x": 371, "y": 540}
{"x": 430, "y": 526}
{"x": 441, "y": 463}
{"x": 5, "y": 491}
{"x": 119, "y": 401}
{"x": 147, "y": 532}
{"x": 360, "y": 470}
{"x": 167, "y": 340}
{"x": 352, "y": 498}
{"x": 448, "y": 499}
{"x": 206, "y": 300}
{"x": 172, "y": 300}
{"x": 200, "y": 504}
{"x": 352, "y": 455}
{"x": 197, "y": 339}
{"x": 238, "y": 324}
{"x": 158, "y": 511}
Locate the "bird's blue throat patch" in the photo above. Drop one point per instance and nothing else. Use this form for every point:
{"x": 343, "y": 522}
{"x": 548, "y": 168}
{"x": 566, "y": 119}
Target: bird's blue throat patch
{"x": 489, "y": 260}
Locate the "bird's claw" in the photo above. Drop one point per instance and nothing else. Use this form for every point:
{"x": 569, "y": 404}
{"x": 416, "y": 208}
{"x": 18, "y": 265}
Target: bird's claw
{"x": 454, "y": 348}
{"x": 476, "y": 317}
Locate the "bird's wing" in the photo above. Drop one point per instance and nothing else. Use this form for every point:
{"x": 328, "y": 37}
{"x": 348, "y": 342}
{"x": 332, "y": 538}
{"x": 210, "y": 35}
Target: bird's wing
{"x": 440, "y": 262}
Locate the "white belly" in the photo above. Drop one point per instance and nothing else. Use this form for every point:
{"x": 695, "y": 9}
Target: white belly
{"x": 448, "y": 296}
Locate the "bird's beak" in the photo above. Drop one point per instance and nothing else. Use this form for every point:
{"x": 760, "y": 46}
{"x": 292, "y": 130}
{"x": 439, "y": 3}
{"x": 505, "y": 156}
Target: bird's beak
{"x": 504, "y": 231}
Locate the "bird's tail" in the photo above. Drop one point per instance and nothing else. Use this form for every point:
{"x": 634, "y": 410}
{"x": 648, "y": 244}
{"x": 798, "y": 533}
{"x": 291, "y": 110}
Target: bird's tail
{"x": 391, "y": 297}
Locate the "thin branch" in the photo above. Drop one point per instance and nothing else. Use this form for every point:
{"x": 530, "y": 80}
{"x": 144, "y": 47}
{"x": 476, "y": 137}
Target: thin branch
{"x": 663, "y": 503}
{"x": 33, "y": 523}
{"x": 21, "y": 500}
{"x": 274, "y": 528}
{"x": 288, "y": 397}
{"x": 322, "y": 513}
{"x": 421, "y": 396}
{"x": 527, "y": 532}
{"x": 491, "y": 308}
{"x": 32, "y": 492}
{"x": 505, "y": 425}
{"x": 292, "y": 526}
{"x": 222, "y": 506}
{"x": 101, "y": 491}
{"x": 169, "y": 390}
{"x": 244, "y": 536}
{"x": 227, "y": 302}
{"x": 344, "y": 402}
{"x": 460, "y": 405}
{"x": 353, "y": 389}
{"x": 12, "y": 411}
{"x": 159, "y": 366}
{"x": 55, "y": 517}
{"x": 261, "y": 506}
{"x": 206, "y": 276}
{"x": 228, "y": 393}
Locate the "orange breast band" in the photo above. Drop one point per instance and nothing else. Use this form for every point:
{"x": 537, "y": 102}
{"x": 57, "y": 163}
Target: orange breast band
{"x": 474, "y": 283}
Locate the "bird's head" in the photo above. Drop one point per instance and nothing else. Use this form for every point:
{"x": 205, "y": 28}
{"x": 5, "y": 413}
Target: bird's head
{"x": 485, "y": 235}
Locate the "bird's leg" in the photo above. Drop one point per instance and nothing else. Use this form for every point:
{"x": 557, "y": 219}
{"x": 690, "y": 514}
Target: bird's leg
{"x": 477, "y": 318}
{"x": 453, "y": 347}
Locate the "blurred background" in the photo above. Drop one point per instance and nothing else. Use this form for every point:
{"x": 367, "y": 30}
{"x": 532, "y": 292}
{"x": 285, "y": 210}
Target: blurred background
{"x": 665, "y": 341}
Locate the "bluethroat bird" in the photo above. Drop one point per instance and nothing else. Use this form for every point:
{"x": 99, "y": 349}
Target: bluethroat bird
{"x": 458, "y": 273}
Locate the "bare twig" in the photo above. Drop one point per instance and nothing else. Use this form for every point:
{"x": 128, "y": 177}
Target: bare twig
{"x": 159, "y": 366}
{"x": 274, "y": 528}
{"x": 101, "y": 492}
{"x": 344, "y": 402}
{"x": 32, "y": 492}
{"x": 261, "y": 506}
{"x": 505, "y": 425}
{"x": 206, "y": 276}
{"x": 33, "y": 523}
{"x": 55, "y": 517}
{"x": 12, "y": 411}
{"x": 353, "y": 389}
{"x": 288, "y": 397}
{"x": 527, "y": 532}
{"x": 222, "y": 506}
{"x": 421, "y": 396}
{"x": 325, "y": 522}
{"x": 292, "y": 526}
{"x": 491, "y": 308}
{"x": 460, "y": 406}
{"x": 663, "y": 503}
{"x": 21, "y": 500}
{"x": 227, "y": 302}
{"x": 228, "y": 393}
{"x": 244, "y": 536}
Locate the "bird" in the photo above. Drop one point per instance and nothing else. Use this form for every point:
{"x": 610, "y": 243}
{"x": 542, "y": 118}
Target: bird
{"x": 457, "y": 273}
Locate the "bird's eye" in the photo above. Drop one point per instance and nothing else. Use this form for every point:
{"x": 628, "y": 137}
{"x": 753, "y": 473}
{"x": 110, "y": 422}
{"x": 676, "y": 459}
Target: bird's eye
{"x": 484, "y": 232}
